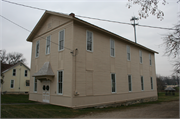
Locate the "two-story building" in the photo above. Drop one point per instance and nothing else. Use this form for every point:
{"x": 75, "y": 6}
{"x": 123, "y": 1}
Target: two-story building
{"x": 77, "y": 64}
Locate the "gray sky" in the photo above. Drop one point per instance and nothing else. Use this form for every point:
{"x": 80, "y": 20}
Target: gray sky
{"x": 13, "y": 38}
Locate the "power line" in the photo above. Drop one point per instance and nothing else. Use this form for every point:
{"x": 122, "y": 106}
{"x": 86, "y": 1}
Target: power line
{"x": 90, "y": 17}
{"x": 29, "y": 30}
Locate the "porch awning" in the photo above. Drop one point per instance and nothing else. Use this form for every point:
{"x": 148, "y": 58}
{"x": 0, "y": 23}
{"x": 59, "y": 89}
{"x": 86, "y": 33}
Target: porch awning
{"x": 45, "y": 72}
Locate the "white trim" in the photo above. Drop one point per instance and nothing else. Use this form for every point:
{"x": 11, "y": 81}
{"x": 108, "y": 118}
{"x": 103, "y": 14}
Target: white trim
{"x": 13, "y": 83}
{"x": 127, "y": 52}
{"x": 131, "y": 82}
{"x": 58, "y": 80}
{"x": 36, "y": 49}
{"x": 115, "y": 82}
{"x": 34, "y": 86}
{"x": 49, "y": 45}
{"x": 92, "y": 41}
{"x": 59, "y": 39}
{"x": 110, "y": 47}
{"x": 13, "y": 72}
{"x": 25, "y": 72}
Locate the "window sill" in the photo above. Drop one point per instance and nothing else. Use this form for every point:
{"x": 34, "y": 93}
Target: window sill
{"x": 60, "y": 50}
{"x": 89, "y": 51}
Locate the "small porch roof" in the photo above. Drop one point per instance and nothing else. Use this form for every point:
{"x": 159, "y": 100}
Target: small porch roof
{"x": 45, "y": 71}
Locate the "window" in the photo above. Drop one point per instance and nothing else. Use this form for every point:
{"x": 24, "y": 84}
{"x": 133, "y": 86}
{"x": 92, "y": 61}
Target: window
{"x": 142, "y": 83}
{"x": 128, "y": 53}
{"x": 60, "y": 82}
{"x": 112, "y": 47}
{"x": 140, "y": 56}
{"x": 37, "y": 48}
{"x": 48, "y": 40}
{"x": 151, "y": 83}
{"x": 35, "y": 85}
{"x": 12, "y": 84}
{"x": 25, "y": 73}
{"x": 14, "y": 72}
{"x": 129, "y": 82}
{"x": 89, "y": 40}
{"x": 27, "y": 82}
{"x": 61, "y": 40}
{"x": 150, "y": 62}
{"x": 113, "y": 80}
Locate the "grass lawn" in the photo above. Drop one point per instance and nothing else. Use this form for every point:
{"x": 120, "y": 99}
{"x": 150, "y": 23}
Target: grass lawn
{"x": 53, "y": 111}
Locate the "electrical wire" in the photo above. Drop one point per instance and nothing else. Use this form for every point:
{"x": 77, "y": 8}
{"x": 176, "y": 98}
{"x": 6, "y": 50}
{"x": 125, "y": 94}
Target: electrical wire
{"x": 29, "y": 30}
{"x": 91, "y": 17}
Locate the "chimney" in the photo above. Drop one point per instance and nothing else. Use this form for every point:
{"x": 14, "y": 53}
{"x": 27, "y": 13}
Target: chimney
{"x": 72, "y": 14}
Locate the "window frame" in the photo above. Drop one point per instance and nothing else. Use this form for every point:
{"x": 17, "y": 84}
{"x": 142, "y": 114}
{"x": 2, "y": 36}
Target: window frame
{"x": 150, "y": 60}
{"x": 47, "y": 45}
{"x": 142, "y": 83}
{"x": 128, "y": 58}
{"x": 151, "y": 82}
{"x": 130, "y": 84}
{"x": 60, "y": 82}
{"x": 13, "y": 83}
{"x": 28, "y": 85}
{"x": 140, "y": 56}
{"x": 112, "y": 48}
{"x": 35, "y": 82}
{"x": 87, "y": 41}
{"x": 37, "y": 42}
{"x": 62, "y": 40}
{"x": 25, "y": 73}
{"x": 112, "y": 83}
{"x": 13, "y": 72}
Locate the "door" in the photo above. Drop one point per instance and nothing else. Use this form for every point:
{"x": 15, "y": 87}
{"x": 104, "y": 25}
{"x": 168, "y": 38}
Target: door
{"x": 46, "y": 91}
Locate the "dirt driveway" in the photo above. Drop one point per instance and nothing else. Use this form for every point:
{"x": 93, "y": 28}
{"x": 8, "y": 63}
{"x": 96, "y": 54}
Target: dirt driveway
{"x": 161, "y": 110}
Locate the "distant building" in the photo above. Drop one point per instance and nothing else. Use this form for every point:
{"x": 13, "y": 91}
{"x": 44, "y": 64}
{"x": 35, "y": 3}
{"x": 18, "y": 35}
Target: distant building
{"x": 16, "y": 78}
{"x": 77, "y": 64}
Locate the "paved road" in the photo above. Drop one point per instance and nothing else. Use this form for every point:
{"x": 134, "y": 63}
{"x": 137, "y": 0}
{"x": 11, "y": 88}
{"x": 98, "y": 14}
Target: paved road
{"x": 162, "y": 110}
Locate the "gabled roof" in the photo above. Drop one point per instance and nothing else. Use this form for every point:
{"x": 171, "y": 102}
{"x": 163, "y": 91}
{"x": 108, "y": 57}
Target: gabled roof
{"x": 77, "y": 20}
{"x": 9, "y": 67}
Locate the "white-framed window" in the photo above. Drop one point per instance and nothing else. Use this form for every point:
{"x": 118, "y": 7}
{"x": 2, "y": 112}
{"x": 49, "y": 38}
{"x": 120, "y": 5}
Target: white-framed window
{"x": 48, "y": 43}
{"x": 35, "y": 85}
{"x": 60, "y": 82}
{"x": 151, "y": 83}
{"x": 27, "y": 83}
{"x": 140, "y": 56}
{"x": 89, "y": 41}
{"x": 61, "y": 40}
{"x": 26, "y": 73}
{"x": 14, "y": 72}
{"x": 12, "y": 84}
{"x": 142, "y": 83}
{"x": 129, "y": 83}
{"x": 112, "y": 47}
{"x": 113, "y": 81}
{"x": 128, "y": 53}
{"x": 37, "y": 48}
{"x": 150, "y": 61}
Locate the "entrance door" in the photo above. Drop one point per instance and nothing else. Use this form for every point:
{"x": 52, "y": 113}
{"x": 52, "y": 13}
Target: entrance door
{"x": 46, "y": 91}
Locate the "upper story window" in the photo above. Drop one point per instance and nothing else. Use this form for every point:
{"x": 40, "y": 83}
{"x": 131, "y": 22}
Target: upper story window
{"x": 25, "y": 73}
{"x": 37, "y": 48}
{"x": 89, "y": 41}
{"x": 112, "y": 45}
{"x": 48, "y": 40}
{"x": 140, "y": 56}
{"x": 128, "y": 53}
{"x": 61, "y": 40}
{"x": 14, "y": 72}
{"x": 150, "y": 61}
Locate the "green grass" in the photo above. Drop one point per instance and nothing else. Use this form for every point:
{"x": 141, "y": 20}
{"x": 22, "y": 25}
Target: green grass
{"x": 53, "y": 111}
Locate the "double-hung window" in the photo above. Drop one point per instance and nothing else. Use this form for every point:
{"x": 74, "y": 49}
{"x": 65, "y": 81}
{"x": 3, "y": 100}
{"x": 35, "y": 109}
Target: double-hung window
{"x": 48, "y": 40}
{"x": 113, "y": 81}
{"x": 142, "y": 83}
{"x": 151, "y": 83}
{"x": 25, "y": 73}
{"x": 112, "y": 45}
{"x": 35, "y": 85}
{"x": 61, "y": 40}
{"x": 140, "y": 56}
{"x": 60, "y": 82}
{"x": 150, "y": 61}
{"x": 129, "y": 83}
{"x": 12, "y": 84}
{"x": 37, "y": 48}
{"x": 128, "y": 53}
{"x": 14, "y": 72}
{"x": 89, "y": 41}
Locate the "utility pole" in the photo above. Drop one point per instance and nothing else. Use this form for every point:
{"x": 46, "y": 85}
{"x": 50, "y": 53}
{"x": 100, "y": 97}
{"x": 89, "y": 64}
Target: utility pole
{"x": 134, "y": 25}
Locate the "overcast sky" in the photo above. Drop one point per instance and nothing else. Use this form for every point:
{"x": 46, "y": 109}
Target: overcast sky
{"x": 13, "y": 38}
